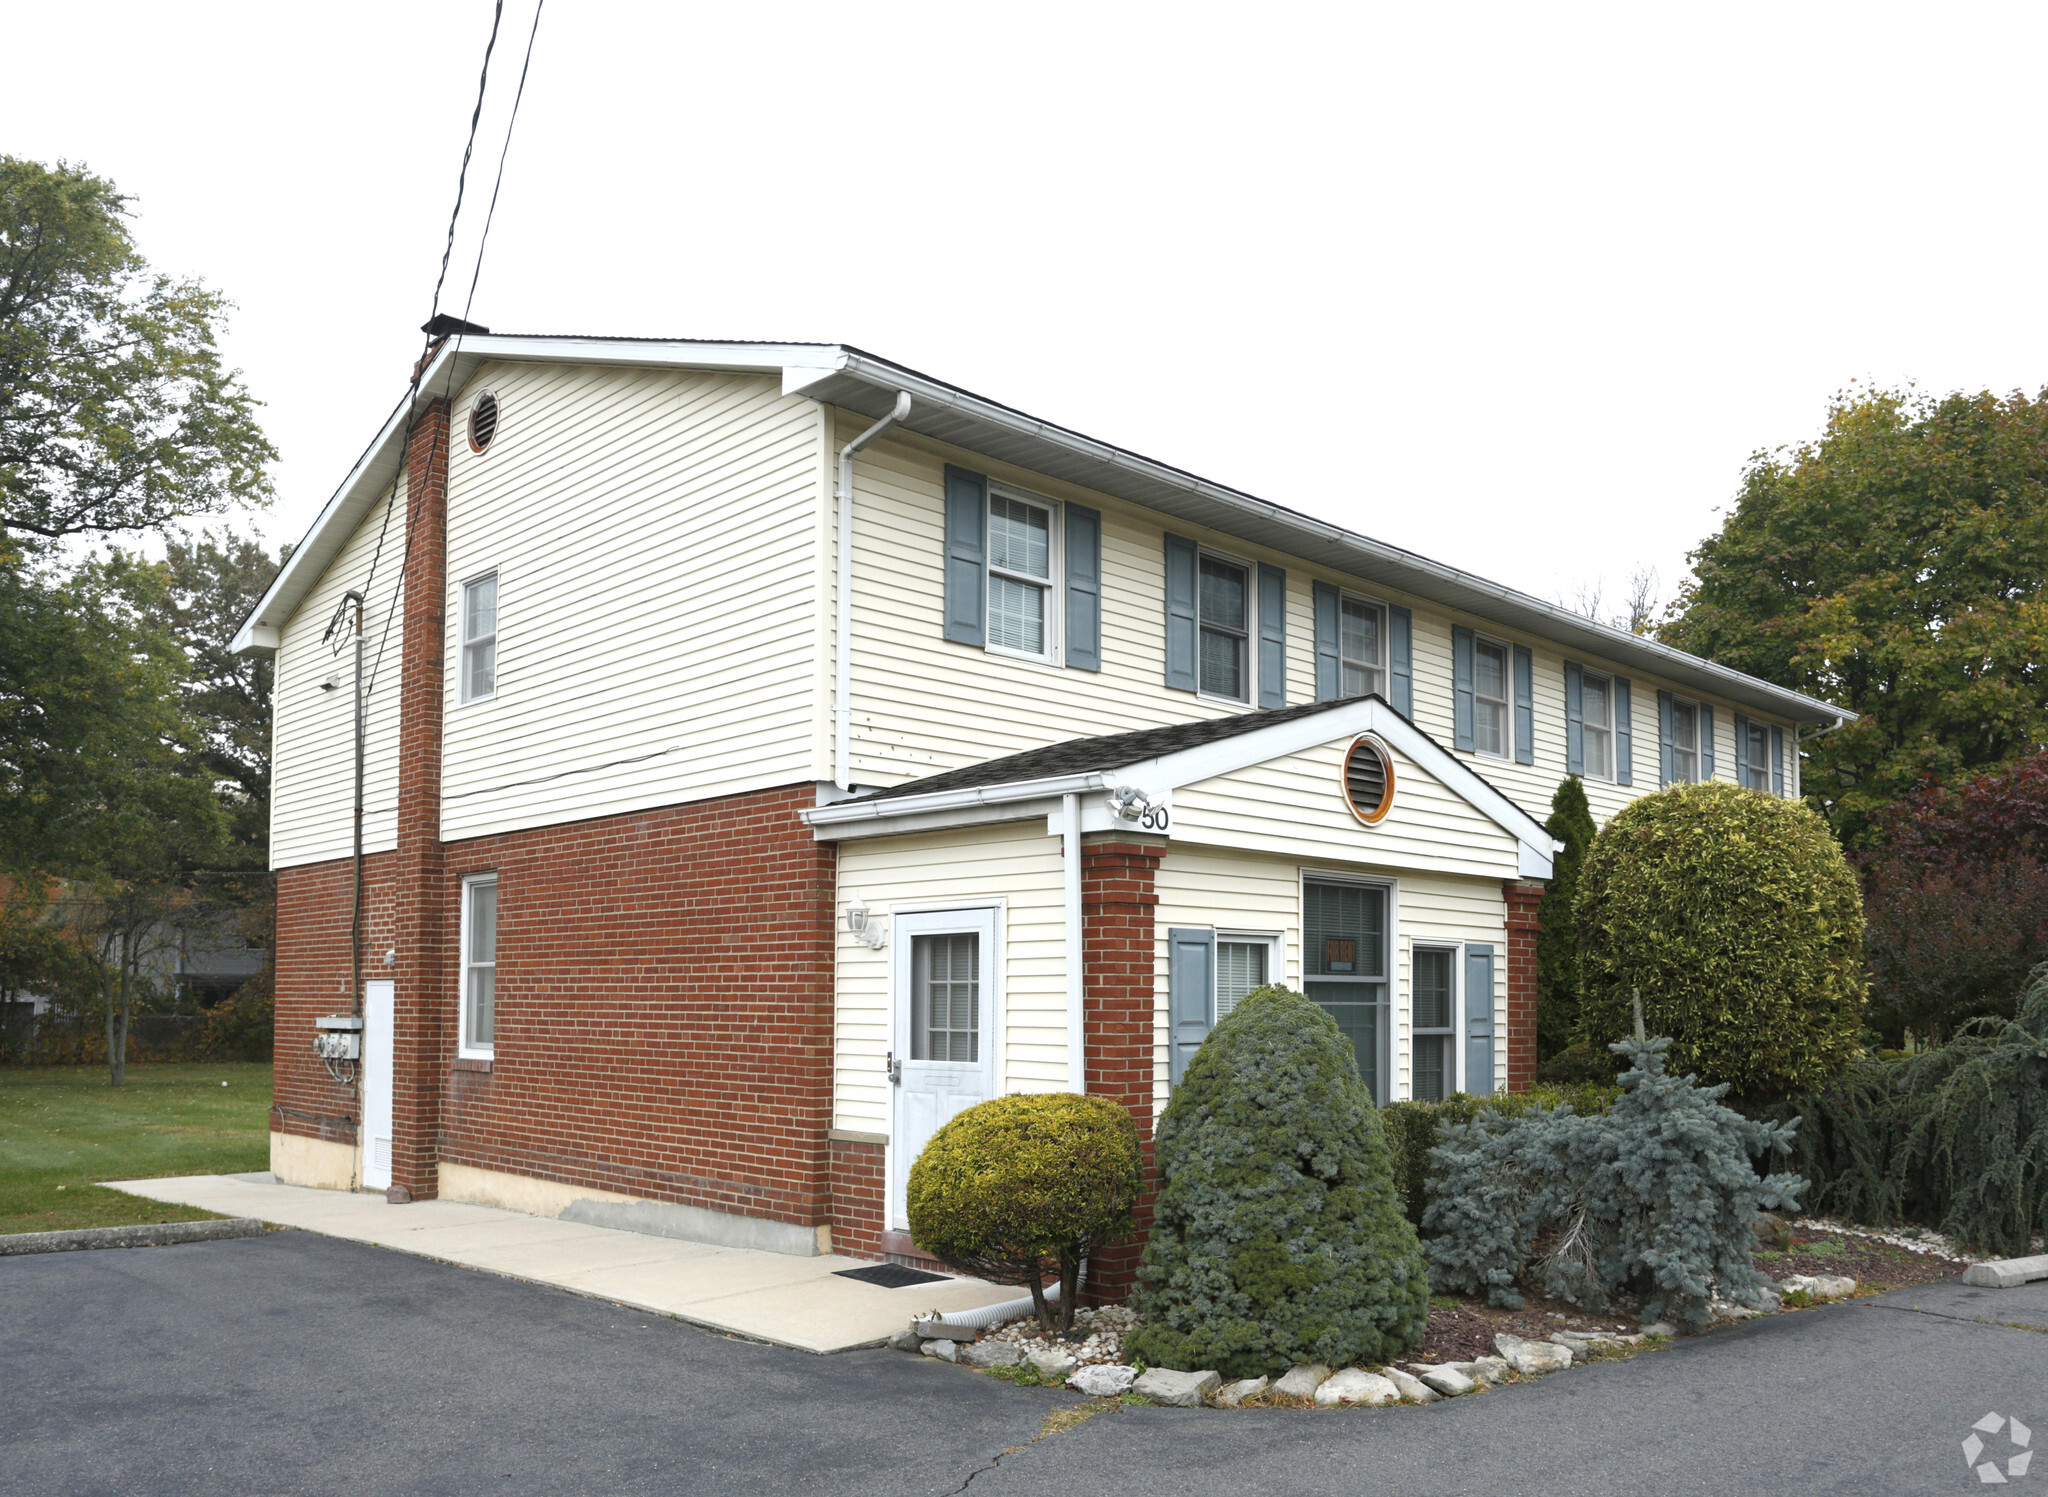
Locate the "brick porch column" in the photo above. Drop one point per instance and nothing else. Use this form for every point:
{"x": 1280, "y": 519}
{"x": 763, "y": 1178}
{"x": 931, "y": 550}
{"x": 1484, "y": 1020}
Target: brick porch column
{"x": 1524, "y": 900}
{"x": 426, "y": 1003}
{"x": 1119, "y": 996}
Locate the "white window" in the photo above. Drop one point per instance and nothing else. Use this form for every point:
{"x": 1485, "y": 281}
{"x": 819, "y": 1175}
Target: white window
{"x": 1023, "y": 549}
{"x": 480, "y": 638}
{"x": 1362, "y": 648}
{"x": 1753, "y": 756}
{"x": 479, "y": 967}
{"x": 1493, "y": 723}
{"x": 1685, "y": 741}
{"x": 1223, "y": 616}
{"x": 1244, "y": 964}
{"x": 1433, "y": 1023}
{"x": 1596, "y": 711}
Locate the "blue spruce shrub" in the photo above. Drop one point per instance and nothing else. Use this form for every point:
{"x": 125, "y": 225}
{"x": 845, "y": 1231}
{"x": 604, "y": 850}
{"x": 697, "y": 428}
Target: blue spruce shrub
{"x": 1279, "y": 1236}
{"x": 1655, "y": 1199}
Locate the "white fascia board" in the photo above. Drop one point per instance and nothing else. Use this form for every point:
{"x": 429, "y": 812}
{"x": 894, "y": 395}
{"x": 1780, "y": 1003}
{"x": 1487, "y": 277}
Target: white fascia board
{"x": 990, "y": 813}
{"x": 981, "y": 803}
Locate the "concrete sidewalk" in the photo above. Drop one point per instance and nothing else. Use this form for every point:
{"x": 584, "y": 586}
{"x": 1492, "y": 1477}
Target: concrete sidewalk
{"x": 791, "y": 1301}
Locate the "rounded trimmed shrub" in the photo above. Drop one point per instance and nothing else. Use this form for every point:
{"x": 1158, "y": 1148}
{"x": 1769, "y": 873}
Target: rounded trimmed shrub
{"x": 1736, "y": 916}
{"x": 1018, "y": 1188}
{"x": 1279, "y": 1236}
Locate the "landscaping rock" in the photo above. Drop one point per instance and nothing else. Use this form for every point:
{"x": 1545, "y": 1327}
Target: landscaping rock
{"x": 2006, "y": 1273}
{"x": 905, "y": 1341}
{"x": 934, "y": 1329}
{"x": 1233, "y": 1394}
{"x": 1820, "y": 1286}
{"x": 1488, "y": 1370}
{"x": 1411, "y": 1386}
{"x": 1533, "y": 1358}
{"x": 1181, "y": 1390}
{"x": 1302, "y": 1381}
{"x": 992, "y": 1354}
{"x": 944, "y": 1350}
{"x": 1449, "y": 1381}
{"x": 1104, "y": 1381}
{"x": 1353, "y": 1386}
{"x": 1577, "y": 1340}
{"x": 1660, "y": 1328}
{"x": 1053, "y": 1366}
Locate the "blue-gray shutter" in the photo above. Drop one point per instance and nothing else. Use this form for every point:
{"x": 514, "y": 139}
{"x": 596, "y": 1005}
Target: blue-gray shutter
{"x": 1401, "y": 659}
{"x": 1272, "y": 636}
{"x": 1665, "y": 767}
{"x": 1574, "y": 719}
{"x": 966, "y": 556}
{"x": 1525, "y": 706}
{"x": 1329, "y": 672}
{"x": 1479, "y": 1019}
{"x": 1706, "y": 742}
{"x": 1191, "y": 995}
{"x": 1461, "y": 688}
{"x": 1180, "y": 613}
{"x": 1624, "y": 733}
{"x": 1741, "y": 750}
{"x": 1777, "y": 761}
{"x": 1084, "y": 588}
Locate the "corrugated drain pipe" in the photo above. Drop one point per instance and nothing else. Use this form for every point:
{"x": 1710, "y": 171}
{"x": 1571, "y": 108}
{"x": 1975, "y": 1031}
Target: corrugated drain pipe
{"x": 842, "y": 644}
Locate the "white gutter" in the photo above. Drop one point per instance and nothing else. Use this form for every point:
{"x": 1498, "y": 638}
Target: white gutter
{"x": 841, "y": 812}
{"x": 842, "y": 642}
{"x": 1077, "y": 1035}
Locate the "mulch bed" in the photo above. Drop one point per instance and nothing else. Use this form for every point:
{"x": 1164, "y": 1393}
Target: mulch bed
{"x": 1462, "y": 1329}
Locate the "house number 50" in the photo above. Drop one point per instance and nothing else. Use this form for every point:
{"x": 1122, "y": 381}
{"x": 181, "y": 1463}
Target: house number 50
{"x": 1158, "y": 819}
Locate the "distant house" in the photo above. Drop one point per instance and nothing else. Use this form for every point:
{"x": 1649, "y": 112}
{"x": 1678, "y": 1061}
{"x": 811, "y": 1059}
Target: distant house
{"x": 729, "y": 829}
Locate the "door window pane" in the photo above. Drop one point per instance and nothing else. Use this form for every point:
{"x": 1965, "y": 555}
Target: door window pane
{"x": 1240, "y": 969}
{"x": 1221, "y": 608}
{"x": 1490, "y": 729}
{"x": 945, "y": 997}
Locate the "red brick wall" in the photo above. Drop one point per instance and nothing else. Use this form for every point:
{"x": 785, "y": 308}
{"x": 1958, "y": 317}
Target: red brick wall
{"x": 1523, "y": 901}
{"x": 859, "y": 1180}
{"x": 312, "y": 980}
{"x": 1119, "y": 993}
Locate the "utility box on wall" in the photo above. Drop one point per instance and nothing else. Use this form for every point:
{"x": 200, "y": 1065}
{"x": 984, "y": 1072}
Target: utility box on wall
{"x": 340, "y": 1037}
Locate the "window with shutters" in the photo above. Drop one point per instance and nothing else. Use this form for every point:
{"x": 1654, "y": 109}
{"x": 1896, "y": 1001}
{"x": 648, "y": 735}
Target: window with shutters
{"x": 1243, "y": 965}
{"x": 1685, "y": 741}
{"x": 1753, "y": 756}
{"x": 480, "y": 638}
{"x": 1344, "y": 968}
{"x": 945, "y": 997}
{"x": 1223, "y": 627}
{"x": 1493, "y": 729}
{"x": 1433, "y": 1023}
{"x": 1362, "y": 647}
{"x": 479, "y": 1035}
{"x": 1596, "y": 705}
{"x": 1023, "y": 568}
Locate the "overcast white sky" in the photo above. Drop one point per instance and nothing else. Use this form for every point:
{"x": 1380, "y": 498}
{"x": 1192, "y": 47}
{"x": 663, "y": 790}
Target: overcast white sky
{"x": 1519, "y": 287}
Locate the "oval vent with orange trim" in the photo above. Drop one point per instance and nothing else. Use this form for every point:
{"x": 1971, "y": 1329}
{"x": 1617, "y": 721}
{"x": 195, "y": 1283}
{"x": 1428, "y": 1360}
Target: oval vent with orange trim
{"x": 1368, "y": 781}
{"x": 483, "y": 421}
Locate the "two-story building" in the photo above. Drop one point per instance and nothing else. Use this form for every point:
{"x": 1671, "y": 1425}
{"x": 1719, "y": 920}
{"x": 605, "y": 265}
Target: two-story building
{"x": 769, "y": 750}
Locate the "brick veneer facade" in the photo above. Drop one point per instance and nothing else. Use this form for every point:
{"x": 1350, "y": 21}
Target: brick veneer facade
{"x": 1524, "y": 901}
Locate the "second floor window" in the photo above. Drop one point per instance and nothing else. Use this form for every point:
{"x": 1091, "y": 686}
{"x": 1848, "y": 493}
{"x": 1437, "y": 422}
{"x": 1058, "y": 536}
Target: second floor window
{"x": 480, "y": 638}
{"x": 1223, "y": 614}
{"x": 1685, "y": 741}
{"x": 1753, "y": 756}
{"x": 1493, "y": 729}
{"x": 1020, "y": 573}
{"x": 1596, "y": 702}
{"x": 1362, "y": 647}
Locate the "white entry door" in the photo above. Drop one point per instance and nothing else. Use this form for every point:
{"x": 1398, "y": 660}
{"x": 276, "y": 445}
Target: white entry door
{"x": 380, "y": 1015}
{"x": 943, "y": 981}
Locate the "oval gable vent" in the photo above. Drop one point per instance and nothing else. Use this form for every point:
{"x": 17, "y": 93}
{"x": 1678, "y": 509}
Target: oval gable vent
{"x": 483, "y": 421}
{"x": 1368, "y": 780}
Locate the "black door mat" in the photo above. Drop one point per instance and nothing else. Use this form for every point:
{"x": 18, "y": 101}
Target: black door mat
{"x": 889, "y": 1275}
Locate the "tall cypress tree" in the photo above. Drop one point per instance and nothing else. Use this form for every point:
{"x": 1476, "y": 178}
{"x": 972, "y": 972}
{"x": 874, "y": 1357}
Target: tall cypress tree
{"x": 1557, "y": 943}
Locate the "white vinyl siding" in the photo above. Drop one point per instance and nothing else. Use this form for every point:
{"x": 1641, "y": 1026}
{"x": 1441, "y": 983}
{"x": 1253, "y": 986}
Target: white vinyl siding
{"x": 663, "y": 531}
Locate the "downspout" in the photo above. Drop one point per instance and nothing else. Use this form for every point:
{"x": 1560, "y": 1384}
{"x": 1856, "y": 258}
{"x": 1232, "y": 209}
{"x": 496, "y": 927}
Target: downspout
{"x": 1799, "y": 742}
{"x": 842, "y": 644}
{"x": 1077, "y": 1036}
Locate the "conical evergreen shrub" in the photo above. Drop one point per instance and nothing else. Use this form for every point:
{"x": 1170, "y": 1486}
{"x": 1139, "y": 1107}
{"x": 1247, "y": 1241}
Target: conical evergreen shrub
{"x": 1279, "y": 1236}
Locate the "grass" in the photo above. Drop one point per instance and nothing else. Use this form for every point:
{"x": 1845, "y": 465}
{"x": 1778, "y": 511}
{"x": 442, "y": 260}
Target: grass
{"x": 63, "y": 1127}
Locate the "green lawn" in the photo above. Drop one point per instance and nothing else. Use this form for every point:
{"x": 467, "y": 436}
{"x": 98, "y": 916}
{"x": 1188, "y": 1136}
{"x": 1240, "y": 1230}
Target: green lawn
{"x": 63, "y": 1127}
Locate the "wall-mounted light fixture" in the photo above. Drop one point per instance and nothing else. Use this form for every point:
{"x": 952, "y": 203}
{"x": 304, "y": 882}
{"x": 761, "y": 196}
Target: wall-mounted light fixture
{"x": 1129, "y": 803}
{"x": 333, "y": 681}
{"x": 864, "y": 927}
{"x": 391, "y": 957}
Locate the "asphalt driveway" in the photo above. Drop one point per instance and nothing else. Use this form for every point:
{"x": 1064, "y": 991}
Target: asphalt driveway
{"x": 293, "y": 1363}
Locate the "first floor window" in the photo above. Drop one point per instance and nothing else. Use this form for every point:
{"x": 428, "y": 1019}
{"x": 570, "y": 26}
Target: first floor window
{"x": 1223, "y": 611}
{"x": 480, "y": 638}
{"x": 1431, "y": 1025}
{"x": 1492, "y": 727}
{"x": 479, "y": 964}
{"x": 1240, "y": 970}
{"x": 1344, "y": 967}
{"x": 1685, "y": 741}
{"x": 1020, "y": 562}
{"x": 1596, "y": 706}
{"x": 1753, "y": 756}
{"x": 1362, "y": 647}
{"x": 945, "y": 997}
